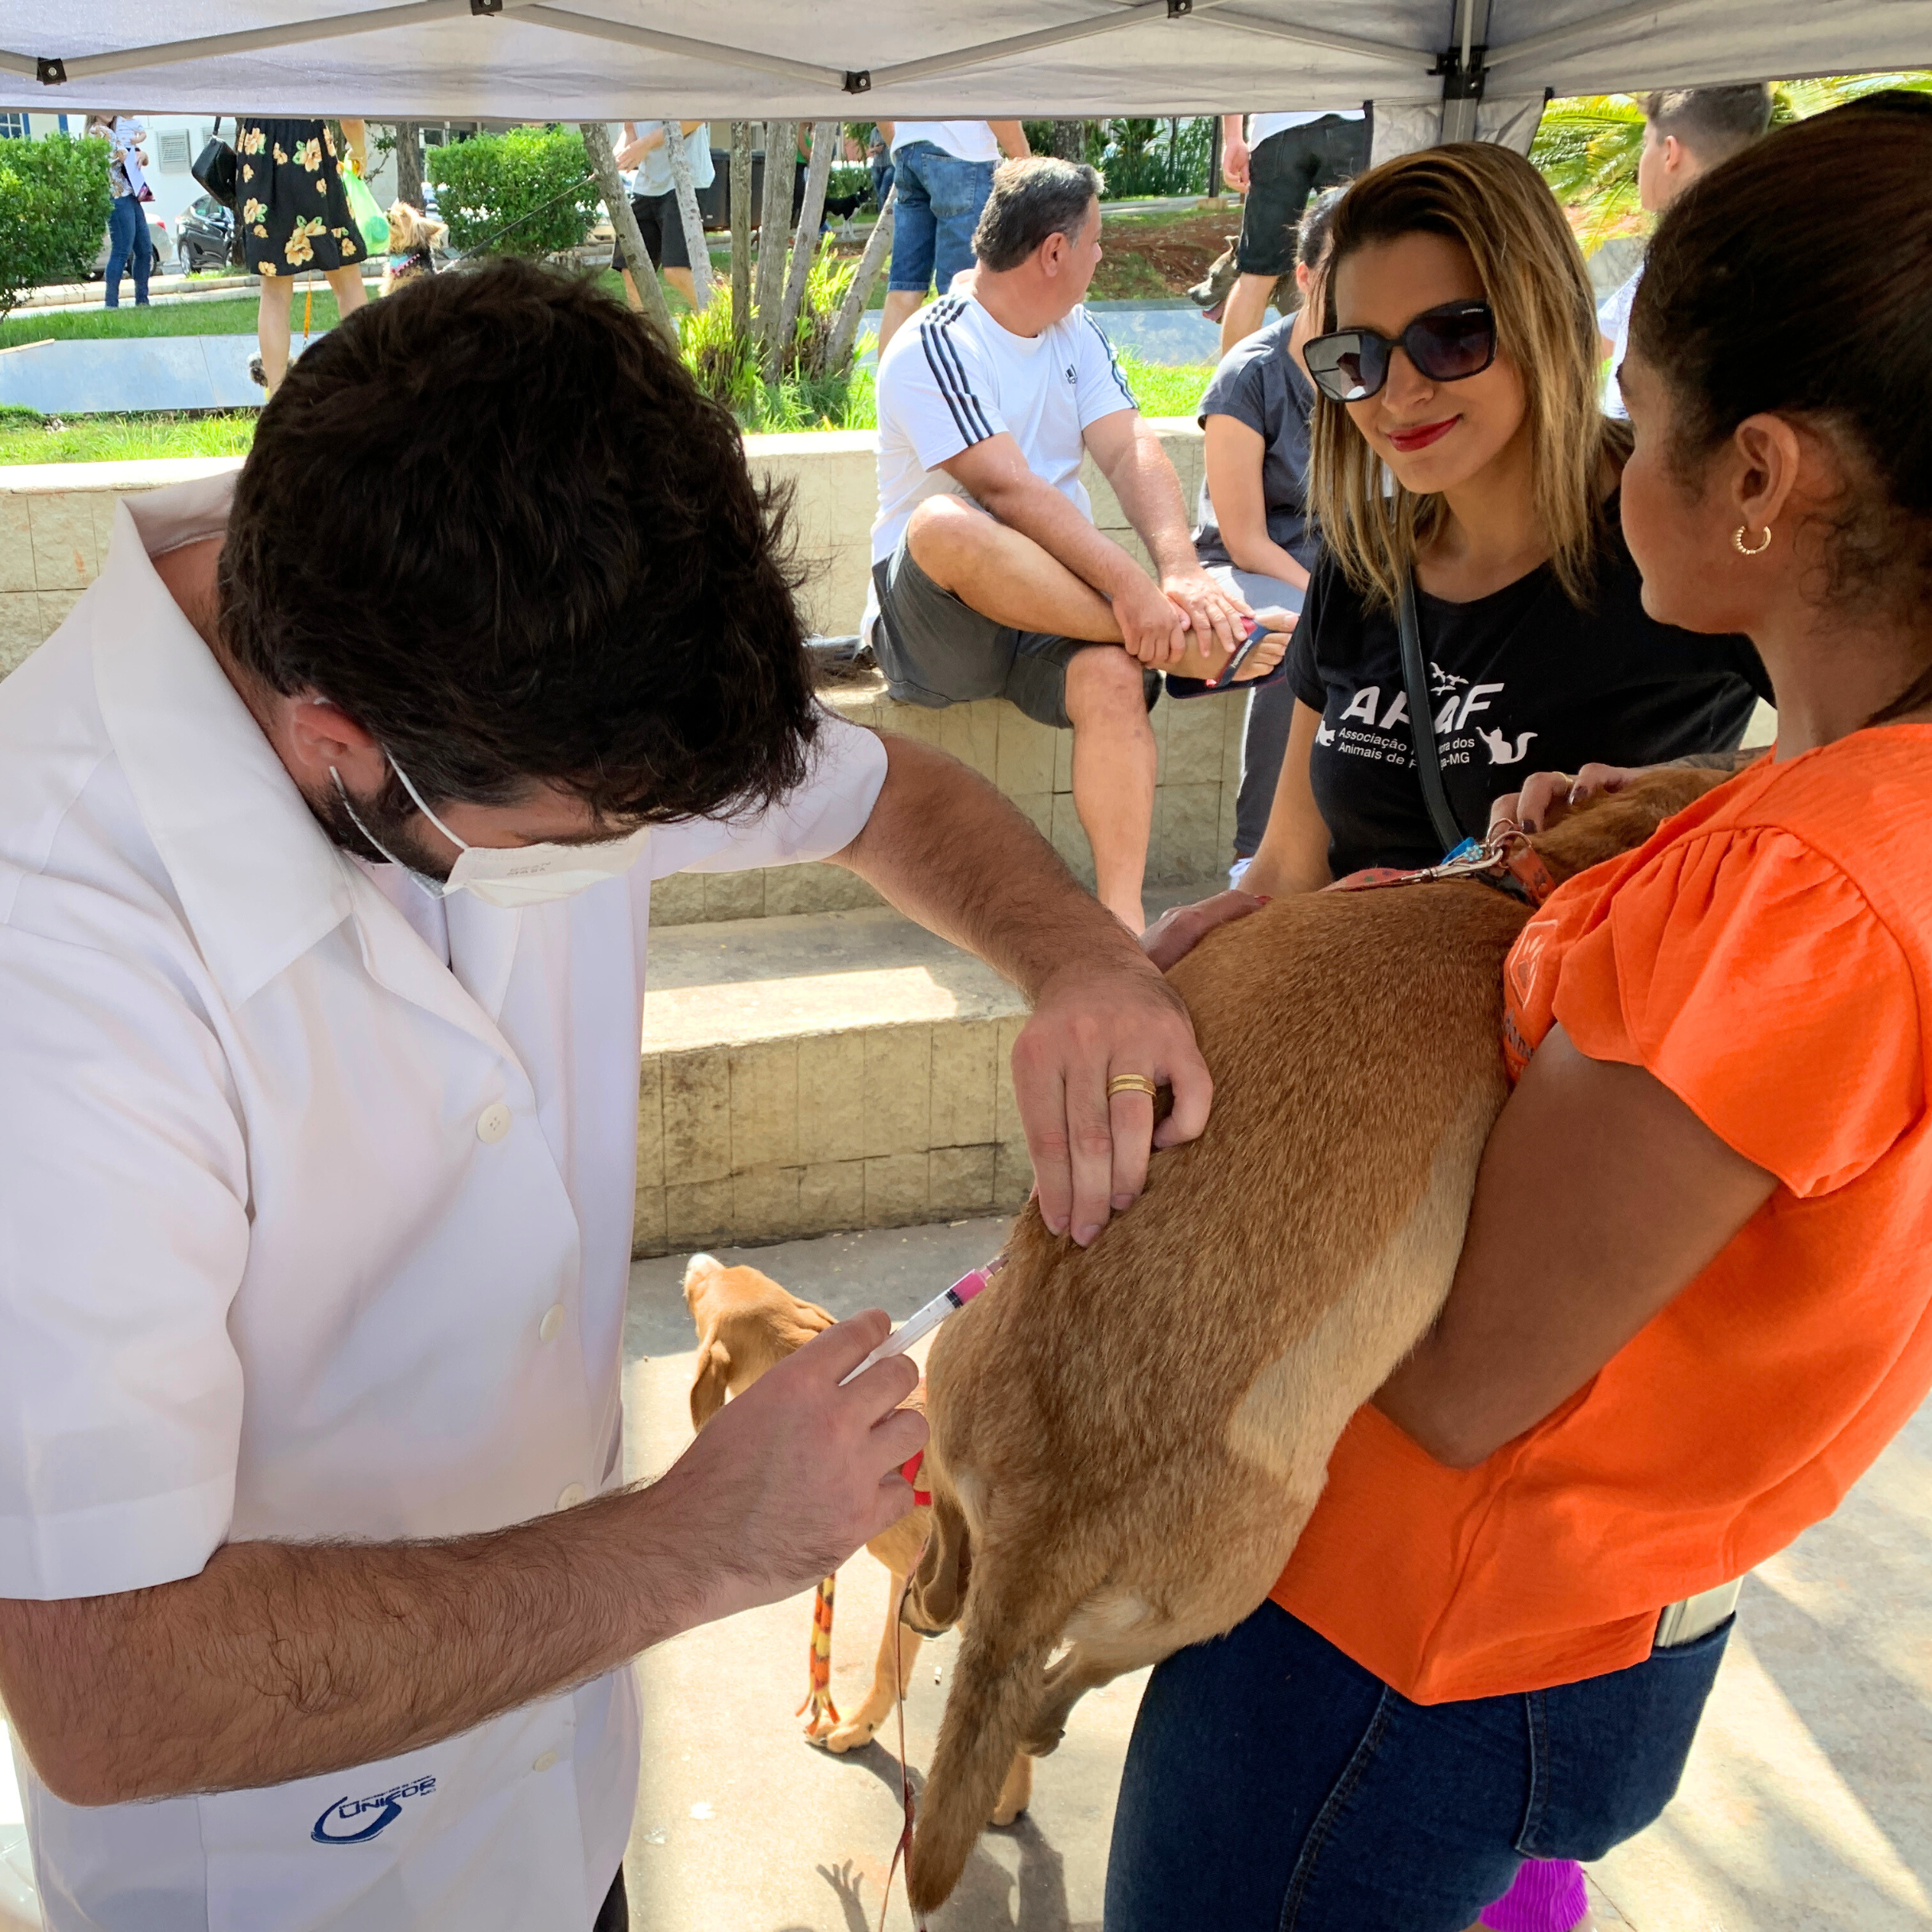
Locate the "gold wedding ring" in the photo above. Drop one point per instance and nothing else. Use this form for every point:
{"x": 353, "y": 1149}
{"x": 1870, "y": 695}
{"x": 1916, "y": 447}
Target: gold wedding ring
{"x": 1131, "y": 1083}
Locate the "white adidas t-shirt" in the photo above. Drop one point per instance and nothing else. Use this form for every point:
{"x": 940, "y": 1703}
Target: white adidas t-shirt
{"x": 967, "y": 140}
{"x": 953, "y": 377}
{"x": 1261, "y": 125}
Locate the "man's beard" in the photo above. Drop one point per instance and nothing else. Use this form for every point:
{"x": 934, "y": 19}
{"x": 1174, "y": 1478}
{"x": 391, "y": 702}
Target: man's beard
{"x": 387, "y": 829}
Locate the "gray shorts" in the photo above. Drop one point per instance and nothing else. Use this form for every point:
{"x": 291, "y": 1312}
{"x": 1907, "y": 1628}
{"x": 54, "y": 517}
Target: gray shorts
{"x": 935, "y": 650}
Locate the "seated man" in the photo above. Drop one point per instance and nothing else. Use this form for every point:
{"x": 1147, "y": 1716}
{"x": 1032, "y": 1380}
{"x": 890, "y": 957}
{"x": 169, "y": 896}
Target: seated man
{"x": 990, "y": 578}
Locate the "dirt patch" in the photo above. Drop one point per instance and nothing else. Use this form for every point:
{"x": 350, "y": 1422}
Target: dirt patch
{"x": 1148, "y": 256}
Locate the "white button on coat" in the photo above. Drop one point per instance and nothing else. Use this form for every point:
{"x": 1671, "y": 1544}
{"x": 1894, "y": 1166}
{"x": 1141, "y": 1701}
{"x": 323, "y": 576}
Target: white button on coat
{"x": 570, "y": 1496}
{"x": 552, "y": 1321}
{"x": 493, "y": 1124}
{"x": 544, "y": 1762}
{"x": 265, "y": 1281}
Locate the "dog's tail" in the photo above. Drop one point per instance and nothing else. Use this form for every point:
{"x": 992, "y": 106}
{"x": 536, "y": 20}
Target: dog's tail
{"x": 1008, "y": 1635}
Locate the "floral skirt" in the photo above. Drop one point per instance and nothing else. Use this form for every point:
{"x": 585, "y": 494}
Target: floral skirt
{"x": 295, "y": 214}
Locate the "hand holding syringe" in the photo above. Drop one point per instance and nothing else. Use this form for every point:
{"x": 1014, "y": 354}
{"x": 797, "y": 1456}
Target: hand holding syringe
{"x": 917, "y": 1326}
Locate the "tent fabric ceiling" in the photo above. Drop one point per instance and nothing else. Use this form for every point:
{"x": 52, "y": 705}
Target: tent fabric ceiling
{"x": 570, "y": 59}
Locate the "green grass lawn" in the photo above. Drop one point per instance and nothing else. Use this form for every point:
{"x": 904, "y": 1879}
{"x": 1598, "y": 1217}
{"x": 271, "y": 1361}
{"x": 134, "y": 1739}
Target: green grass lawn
{"x": 26, "y": 438}
{"x": 226, "y": 317}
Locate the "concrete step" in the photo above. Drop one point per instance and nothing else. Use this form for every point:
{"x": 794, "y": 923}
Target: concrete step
{"x": 807, "y": 1074}
{"x": 1199, "y": 746}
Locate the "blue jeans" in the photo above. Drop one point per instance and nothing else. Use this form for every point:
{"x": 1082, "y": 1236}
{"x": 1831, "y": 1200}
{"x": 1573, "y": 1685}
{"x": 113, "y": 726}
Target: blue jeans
{"x": 127, "y": 240}
{"x": 939, "y": 199}
{"x": 1274, "y": 1786}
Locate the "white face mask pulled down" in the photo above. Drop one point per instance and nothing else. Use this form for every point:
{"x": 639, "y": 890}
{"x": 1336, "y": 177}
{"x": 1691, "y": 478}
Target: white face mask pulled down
{"x": 509, "y": 876}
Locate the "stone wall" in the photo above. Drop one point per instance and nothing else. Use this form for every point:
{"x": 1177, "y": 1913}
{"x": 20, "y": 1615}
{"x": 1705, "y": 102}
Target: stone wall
{"x": 55, "y": 518}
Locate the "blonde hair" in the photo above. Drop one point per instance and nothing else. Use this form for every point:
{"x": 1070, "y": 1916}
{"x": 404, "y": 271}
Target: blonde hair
{"x": 1491, "y": 200}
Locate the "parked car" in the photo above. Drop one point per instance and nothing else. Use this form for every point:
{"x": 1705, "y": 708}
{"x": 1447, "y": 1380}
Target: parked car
{"x": 204, "y": 233}
{"x": 158, "y": 235}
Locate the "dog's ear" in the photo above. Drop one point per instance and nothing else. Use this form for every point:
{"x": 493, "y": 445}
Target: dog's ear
{"x": 712, "y": 1382}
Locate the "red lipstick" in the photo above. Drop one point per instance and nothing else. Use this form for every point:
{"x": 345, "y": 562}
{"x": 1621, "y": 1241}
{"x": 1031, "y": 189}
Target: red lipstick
{"x": 1419, "y": 436}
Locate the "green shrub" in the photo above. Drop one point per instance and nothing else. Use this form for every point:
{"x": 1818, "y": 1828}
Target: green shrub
{"x": 525, "y": 192}
{"x": 54, "y": 201}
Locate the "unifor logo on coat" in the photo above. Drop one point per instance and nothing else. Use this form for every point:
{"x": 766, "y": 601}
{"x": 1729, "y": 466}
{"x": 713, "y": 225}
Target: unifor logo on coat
{"x": 356, "y": 1821}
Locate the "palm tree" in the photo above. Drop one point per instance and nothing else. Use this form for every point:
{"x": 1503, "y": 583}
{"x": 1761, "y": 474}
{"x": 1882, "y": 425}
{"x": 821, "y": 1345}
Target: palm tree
{"x": 1588, "y": 144}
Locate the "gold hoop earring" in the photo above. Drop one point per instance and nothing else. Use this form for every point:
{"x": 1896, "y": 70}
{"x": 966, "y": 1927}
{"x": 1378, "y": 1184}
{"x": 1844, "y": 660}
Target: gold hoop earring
{"x": 1744, "y": 549}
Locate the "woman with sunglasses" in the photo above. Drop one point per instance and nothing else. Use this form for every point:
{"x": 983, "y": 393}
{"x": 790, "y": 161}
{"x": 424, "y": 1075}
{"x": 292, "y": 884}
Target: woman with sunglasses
{"x": 1693, "y": 1303}
{"x": 1458, "y": 449}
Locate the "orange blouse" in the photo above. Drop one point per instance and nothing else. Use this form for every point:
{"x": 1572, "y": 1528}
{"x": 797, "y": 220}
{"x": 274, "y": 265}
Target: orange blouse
{"x": 1768, "y": 955}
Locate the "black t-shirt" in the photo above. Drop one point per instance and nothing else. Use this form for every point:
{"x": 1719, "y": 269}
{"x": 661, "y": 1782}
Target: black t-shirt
{"x": 1523, "y": 681}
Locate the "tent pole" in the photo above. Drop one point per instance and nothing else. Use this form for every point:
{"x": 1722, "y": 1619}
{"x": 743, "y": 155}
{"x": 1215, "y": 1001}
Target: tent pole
{"x": 1273, "y": 30}
{"x": 626, "y": 35}
{"x": 289, "y": 33}
{"x": 630, "y": 238}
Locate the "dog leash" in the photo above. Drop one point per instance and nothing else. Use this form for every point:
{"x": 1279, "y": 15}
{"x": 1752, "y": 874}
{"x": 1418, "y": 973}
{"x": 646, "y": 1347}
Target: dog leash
{"x": 1506, "y": 859}
{"x": 818, "y": 1693}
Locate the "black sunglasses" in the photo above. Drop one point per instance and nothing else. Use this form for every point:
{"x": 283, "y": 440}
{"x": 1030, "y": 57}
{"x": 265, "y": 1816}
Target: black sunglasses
{"x": 1445, "y": 344}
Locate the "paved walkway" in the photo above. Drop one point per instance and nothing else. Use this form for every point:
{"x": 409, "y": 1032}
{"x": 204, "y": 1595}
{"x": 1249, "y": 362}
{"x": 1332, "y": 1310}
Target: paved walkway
{"x": 1807, "y": 1806}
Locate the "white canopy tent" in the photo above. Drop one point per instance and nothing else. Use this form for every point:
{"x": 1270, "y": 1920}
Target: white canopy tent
{"x": 1436, "y": 69}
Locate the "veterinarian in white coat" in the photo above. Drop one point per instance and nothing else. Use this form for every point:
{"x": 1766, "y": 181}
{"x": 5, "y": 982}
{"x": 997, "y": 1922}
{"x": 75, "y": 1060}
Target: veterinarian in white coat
{"x": 317, "y": 1166}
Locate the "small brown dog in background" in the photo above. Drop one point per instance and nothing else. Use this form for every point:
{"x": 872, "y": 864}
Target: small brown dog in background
{"x": 414, "y": 239}
{"x": 746, "y": 1323}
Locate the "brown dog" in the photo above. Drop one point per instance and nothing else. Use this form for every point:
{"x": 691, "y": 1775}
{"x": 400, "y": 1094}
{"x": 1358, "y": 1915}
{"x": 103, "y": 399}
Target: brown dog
{"x": 1126, "y": 1440}
{"x": 746, "y": 1323}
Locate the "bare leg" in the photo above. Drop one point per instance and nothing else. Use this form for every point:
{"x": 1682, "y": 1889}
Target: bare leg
{"x": 685, "y": 283}
{"x": 1008, "y": 577}
{"x": 272, "y": 327}
{"x": 1113, "y": 774}
{"x": 901, "y": 305}
{"x": 888, "y": 1686}
{"x": 1003, "y": 574}
{"x": 1246, "y": 309}
{"x": 630, "y": 292}
{"x": 349, "y": 291}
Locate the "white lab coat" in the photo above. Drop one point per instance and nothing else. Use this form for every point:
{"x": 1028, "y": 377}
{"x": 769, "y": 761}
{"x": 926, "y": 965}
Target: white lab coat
{"x": 304, "y": 1233}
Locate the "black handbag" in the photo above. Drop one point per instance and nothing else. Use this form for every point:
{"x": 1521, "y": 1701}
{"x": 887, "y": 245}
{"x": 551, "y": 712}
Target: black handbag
{"x": 217, "y": 168}
{"x": 1423, "y": 721}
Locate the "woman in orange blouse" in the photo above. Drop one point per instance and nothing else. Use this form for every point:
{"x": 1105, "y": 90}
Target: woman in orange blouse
{"x": 1695, "y": 1299}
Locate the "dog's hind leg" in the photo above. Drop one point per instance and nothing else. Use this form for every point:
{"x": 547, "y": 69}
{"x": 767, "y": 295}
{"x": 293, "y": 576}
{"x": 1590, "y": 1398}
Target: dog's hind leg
{"x": 1016, "y": 1794}
{"x": 890, "y": 1679}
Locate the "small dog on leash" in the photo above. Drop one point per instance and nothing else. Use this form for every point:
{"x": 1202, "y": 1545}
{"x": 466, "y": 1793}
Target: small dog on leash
{"x": 746, "y": 1323}
{"x": 414, "y": 239}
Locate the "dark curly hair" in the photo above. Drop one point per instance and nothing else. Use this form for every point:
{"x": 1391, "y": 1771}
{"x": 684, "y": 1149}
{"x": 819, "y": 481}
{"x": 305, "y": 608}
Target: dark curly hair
{"x": 1741, "y": 311}
{"x": 492, "y": 517}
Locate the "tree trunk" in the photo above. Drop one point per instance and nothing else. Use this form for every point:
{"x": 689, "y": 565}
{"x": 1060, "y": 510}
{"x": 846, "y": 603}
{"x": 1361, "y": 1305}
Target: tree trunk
{"x": 851, "y": 311}
{"x": 410, "y": 164}
{"x": 774, "y": 227}
{"x": 1070, "y": 140}
{"x": 693, "y": 222}
{"x": 629, "y": 239}
{"x": 1214, "y": 154}
{"x": 824, "y": 145}
{"x": 741, "y": 227}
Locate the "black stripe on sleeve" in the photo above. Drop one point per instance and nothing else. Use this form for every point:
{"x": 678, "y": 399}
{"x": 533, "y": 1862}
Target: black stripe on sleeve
{"x": 1113, "y": 361}
{"x": 942, "y": 378}
{"x": 940, "y": 350}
